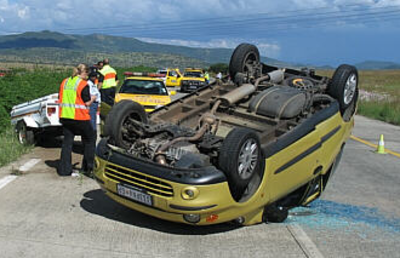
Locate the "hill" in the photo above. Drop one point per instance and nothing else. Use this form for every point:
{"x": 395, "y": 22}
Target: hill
{"x": 58, "y": 56}
{"x": 53, "y": 46}
{"x": 377, "y": 65}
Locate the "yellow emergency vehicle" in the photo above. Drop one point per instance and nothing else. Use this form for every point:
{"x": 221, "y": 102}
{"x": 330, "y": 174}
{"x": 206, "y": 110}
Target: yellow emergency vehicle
{"x": 147, "y": 89}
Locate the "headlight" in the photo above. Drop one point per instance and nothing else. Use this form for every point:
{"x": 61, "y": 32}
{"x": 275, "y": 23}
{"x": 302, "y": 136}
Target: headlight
{"x": 191, "y": 218}
{"x": 190, "y": 193}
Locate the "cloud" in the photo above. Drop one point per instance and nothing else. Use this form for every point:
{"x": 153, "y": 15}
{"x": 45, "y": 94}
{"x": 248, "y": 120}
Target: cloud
{"x": 71, "y": 14}
{"x": 23, "y": 13}
{"x": 265, "y": 48}
{"x": 204, "y": 23}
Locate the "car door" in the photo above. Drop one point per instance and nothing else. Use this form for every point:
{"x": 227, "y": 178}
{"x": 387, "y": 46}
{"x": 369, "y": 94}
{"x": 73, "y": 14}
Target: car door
{"x": 172, "y": 78}
{"x": 295, "y": 162}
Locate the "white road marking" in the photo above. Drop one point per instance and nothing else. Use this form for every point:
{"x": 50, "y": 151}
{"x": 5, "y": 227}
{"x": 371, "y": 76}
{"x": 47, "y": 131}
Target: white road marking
{"x": 305, "y": 243}
{"x": 28, "y": 165}
{"x": 8, "y": 179}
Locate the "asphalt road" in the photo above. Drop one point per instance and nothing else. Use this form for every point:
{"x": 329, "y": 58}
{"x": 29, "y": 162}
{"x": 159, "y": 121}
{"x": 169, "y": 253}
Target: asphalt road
{"x": 43, "y": 215}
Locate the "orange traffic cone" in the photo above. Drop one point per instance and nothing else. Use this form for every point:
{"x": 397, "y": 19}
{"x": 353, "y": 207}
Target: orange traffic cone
{"x": 381, "y": 146}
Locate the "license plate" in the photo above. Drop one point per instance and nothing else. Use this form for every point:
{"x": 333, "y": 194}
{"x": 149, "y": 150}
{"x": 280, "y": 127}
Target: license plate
{"x": 135, "y": 194}
{"x": 192, "y": 87}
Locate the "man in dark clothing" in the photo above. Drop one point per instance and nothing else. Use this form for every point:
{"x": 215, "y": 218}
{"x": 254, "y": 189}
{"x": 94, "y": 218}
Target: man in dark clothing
{"x": 108, "y": 82}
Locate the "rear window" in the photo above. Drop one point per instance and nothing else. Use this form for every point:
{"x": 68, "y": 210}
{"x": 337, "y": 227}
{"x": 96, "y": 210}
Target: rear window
{"x": 143, "y": 87}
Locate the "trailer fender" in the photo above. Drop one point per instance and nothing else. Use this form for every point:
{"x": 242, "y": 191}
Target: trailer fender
{"x": 30, "y": 122}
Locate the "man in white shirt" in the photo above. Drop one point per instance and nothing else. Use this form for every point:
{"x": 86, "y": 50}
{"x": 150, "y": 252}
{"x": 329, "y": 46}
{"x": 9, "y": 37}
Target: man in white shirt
{"x": 94, "y": 91}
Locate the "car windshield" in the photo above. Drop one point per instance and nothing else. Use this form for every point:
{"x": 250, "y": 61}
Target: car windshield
{"x": 194, "y": 74}
{"x": 143, "y": 87}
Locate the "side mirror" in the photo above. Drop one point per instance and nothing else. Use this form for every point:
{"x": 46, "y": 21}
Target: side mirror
{"x": 172, "y": 93}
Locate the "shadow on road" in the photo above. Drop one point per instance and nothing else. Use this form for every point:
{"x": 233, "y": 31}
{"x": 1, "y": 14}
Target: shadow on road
{"x": 52, "y": 163}
{"x": 49, "y": 142}
{"x": 55, "y": 163}
{"x": 77, "y": 146}
{"x": 96, "y": 202}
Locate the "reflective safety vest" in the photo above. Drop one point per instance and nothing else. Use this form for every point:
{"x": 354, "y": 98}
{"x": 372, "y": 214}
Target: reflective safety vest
{"x": 109, "y": 77}
{"x": 70, "y": 100}
{"x": 207, "y": 76}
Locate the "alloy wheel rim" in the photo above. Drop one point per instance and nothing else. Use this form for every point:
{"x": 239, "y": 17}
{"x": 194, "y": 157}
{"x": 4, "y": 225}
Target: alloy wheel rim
{"x": 350, "y": 89}
{"x": 248, "y": 158}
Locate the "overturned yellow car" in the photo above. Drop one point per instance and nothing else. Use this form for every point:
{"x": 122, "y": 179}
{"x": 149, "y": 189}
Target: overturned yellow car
{"x": 245, "y": 150}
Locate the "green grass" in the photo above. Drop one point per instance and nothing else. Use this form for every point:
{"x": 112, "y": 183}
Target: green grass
{"x": 384, "y": 111}
{"x": 10, "y": 148}
{"x": 386, "y": 83}
{"x": 28, "y": 84}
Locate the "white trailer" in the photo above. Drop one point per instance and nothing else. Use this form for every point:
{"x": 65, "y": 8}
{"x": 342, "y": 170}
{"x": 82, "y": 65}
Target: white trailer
{"x": 35, "y": 117}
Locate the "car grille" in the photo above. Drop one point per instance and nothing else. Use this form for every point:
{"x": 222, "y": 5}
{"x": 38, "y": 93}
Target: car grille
{"x": 193, "y": 83}
{"x": 142, "y": 181}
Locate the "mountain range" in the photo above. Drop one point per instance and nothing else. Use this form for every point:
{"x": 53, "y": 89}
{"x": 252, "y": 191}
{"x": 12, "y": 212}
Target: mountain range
{"x": 48, "y": 47}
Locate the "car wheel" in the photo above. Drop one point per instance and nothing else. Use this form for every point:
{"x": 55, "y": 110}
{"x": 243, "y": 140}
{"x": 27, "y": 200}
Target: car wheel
{"x": 344, "y": 87}
{"x": 275, "y": 214}
{"x": 243, "y": 55}
{"x": 25, "y": 136}
{"x": 119, "y": 120}
{"x": 240, "y": 159}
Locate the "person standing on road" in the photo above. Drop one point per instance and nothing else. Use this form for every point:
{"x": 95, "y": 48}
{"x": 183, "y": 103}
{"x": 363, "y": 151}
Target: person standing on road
{"x": 219, "y": 76}
{"x": 207, "y": 77}
{"x": 94, "y": 92}
{"x": 108, "y": 84}
{"x": 74, "y": 102}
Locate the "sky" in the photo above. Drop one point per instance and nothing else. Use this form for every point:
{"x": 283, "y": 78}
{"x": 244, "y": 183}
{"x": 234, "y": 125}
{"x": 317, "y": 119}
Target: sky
{"x": 318, "y": 32}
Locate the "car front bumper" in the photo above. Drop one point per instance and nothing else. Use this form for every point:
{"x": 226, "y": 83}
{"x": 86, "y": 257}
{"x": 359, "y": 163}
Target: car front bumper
{"x": 167, "y": 188}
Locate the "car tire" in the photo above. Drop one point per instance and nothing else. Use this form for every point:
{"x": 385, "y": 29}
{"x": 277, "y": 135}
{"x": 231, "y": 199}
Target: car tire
{"x": 242, "y": 55}
{"x": 240, "y": 158}
{"x": 275, "y": 214}
{"x": 25, "y": 136}
{"x": 118, "y": 118}
{"x": 344, "y": 87}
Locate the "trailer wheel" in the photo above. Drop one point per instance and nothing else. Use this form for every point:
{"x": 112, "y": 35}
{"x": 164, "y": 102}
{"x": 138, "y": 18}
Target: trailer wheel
{"x": 25, "y": 136}
{"x": 344, "y": 87}
{"x": 119, "y": 122}
{"x": 243, "y": 56}
{"x": 240, "y": 159}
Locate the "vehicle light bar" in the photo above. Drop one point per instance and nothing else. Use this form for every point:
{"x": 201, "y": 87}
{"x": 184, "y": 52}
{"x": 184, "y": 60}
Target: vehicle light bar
{"x": 144, "y": 74}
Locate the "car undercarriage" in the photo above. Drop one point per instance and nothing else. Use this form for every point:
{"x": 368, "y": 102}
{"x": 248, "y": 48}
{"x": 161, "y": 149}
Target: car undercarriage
{"x": 232, "y": 124}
